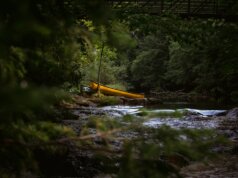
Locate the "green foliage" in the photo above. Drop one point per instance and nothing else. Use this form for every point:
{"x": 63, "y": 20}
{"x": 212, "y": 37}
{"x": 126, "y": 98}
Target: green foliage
{"x": 27, "y": 123}
{"x": 173, "y": 114}
{"x": 207, "y": 64}
{"x": 149, "y": 66}
{"x": 109, "y": 70}
{"x": 44, "y": 44}
{"x": 108, "y": 100}
{"x": 112, "y": 45}
{"x": 120, "y": 37}
{"x": 179, "y": 54}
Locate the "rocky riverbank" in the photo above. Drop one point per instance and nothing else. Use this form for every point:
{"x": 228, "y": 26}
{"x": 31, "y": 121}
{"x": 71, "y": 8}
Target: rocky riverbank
{"x": 226, "y": 164}
{"x": 85, "y": 164}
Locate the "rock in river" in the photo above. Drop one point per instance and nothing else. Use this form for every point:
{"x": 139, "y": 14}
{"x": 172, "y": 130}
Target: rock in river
{"x": 232, "y": 114}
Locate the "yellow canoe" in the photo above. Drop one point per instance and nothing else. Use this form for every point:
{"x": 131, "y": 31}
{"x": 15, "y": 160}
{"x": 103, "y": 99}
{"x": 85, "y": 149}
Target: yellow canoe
{"x": 114, "y": 92}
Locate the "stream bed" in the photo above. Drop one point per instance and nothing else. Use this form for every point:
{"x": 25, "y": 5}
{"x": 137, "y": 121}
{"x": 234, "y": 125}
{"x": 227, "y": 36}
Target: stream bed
{"x": 192, "y": 118}
{"x": 174, "y": 116}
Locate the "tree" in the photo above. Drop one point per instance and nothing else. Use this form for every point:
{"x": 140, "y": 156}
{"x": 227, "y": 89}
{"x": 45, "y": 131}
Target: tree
{"x": 149, "y": 66}
{"x": 42, "y": 46}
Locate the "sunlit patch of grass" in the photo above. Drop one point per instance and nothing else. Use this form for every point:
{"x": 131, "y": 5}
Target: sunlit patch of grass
{"x": 162, "y": 114}
{"x": 175, "y": 114}
{"x": 144, "y": 112}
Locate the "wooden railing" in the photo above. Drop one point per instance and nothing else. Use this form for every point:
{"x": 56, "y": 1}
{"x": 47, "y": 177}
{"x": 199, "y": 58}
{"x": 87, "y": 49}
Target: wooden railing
{"x": 182, "y": 7}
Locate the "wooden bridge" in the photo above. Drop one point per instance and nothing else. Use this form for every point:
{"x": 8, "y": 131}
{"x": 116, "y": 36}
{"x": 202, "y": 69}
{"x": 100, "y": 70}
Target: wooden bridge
{"x": 186, "y": 8}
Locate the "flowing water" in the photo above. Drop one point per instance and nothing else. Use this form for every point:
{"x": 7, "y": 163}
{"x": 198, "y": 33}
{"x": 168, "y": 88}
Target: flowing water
{"x": 195, "y": 116}
{"x": 198, "y": 117}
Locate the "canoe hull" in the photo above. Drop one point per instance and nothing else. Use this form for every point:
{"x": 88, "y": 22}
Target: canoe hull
{"x": 114, "y": 92}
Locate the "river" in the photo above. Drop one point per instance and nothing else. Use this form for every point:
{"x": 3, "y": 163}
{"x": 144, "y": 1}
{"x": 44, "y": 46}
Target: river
{"x": 194, "y": 118}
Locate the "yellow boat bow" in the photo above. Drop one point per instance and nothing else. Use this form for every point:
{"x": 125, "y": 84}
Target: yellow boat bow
{"x": 114, "y": 92}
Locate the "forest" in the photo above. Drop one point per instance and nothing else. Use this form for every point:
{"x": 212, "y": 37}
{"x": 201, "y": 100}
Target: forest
{"x": 49, "y": 49}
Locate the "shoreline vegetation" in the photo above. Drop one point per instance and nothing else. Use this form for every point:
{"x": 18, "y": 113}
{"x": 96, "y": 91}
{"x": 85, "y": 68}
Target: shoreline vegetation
{"x": 152, "y": 98}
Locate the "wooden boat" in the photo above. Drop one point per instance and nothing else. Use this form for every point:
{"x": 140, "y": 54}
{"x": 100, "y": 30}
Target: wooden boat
{"x": 114, "y": 92}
